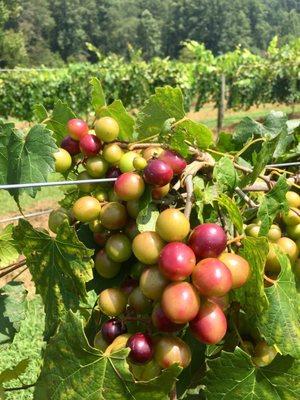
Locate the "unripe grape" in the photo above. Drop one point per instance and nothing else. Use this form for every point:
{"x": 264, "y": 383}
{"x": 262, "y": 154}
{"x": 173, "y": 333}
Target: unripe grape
{"x": 264, "y": 354}
{"x": 171, "y": 350}
{"x": 238, "y": 266}
{"x": 152, "y": 152}
{"x": 293, "y": 231}
{"x": 293, "y": 199}
{"x": 96, "y": 166}
{"x": 90, "y": 145}
{"x": 126, "y": 161}
{"x": 160, "y": 191}
{"x": 248, "y": 347}
{"x": 172, "y": 225}
{"x": 70, "y": 145}
{"x": 113, "y": 215}
{"x": 210, "y": 325}
{"x": 141, "y": 348}
{"x": 274, "y": 233}
{"x": 153, "y": 283}
{"x": 101, "y": 195}
{"x": 147, "y": 246}
{"x": 145, "y": 372}
{"x": 129, "y": 186}
{"x": 105, "y": 266}
{"x": 139, "y": 163}
{"x": 174, "y": 160}
{"x": 137, "y": 269}
{"x": 177, "y": 261}
{"x": 112, "y": 302}
{"x": 208, "y": 240}
{"x": 63, "y": 160}
{"x": 133, "y": 208}
{"x": 162, "y": 323}
{"x": 158, "y": 173}
{"x": 292, "y": 217}
{"x": 57, "y": 218}
{"x": 96, "y": 226}
{"x": 289, "y": 247}
{"x": 86, "y": 209}
{"x": 118, "y": 247}
{"x": 112, "y": 328}
{"x": 139, "y": 302}
{"x": 107, "y": 129}
{"x": 252, "y": 230}
{"x": 85, "y": 187}
{"x": 272, "y": 265}
{"x": 112, "y": 153}
{"x": 180, "y": 302}
{"x": 77, "y": 128}
{"x": 212, "y": 278}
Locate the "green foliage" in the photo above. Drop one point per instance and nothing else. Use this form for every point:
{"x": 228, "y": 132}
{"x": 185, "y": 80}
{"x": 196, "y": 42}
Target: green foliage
{"x": 225, "y": 175}
{"x": 8, "y": 250}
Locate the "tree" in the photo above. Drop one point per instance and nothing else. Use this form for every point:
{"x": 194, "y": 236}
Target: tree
{"x": 148, "y": 35}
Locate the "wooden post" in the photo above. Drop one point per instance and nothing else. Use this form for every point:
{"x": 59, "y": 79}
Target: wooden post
{"x": 221, "y": 105}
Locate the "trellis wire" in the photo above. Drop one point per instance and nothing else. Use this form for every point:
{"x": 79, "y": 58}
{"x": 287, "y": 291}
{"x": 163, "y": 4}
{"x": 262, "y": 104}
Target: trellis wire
{"x": 30, "y": 215}
{"x": 58, "y": 183}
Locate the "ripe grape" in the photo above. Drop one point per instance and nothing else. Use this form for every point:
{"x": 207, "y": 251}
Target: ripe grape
{"x": 105, "y": 266}
{"x": 129, "y": 186}
{"x": 171, "y": 350}
{"x": 210, "y": 325}
{"x": 107, "y": 129}
{"x": 57, "y": 218}
{"x": 174, "y": 160}
{"x": 77, "y": 128}
{"x": 180, "y": 302}
{"x": 208, "y": 240}
{"x": 293, "y": 199}
{"x": 90, "y": 145}
{"x": 158, "y": 173}
{"x": 141, "y": 348}
{"x": 147, "y": 246}
{"x": 70, "y": 145}
{"x": 112, "y": 328}
{"x": 96, "y": 166}
{"x": 263, "y": 354}
{"x": 113, "y": 215}
{"x": 126, "y": 161}
{"x": 152, "y": 283}
{"x": 172, "y": 225}
{"x": 112, "y": 153}
{"x": 113, "y": 172}
{"x": 86, "y": 209}
{"x": 160, "y": 191}
{"x": 101, "y": 237}
{"x": 63, "y": 160}
{"x": 118, "y": 247}
{"x": 152, "y": 152}
{"x": 162, "y": 323}
{"x": 238, "y": 266}
{"x": 177, "y": 261}
{"x": 212, "y": 278}
{"x": 112, "y": 302}
{"x": 85, "y": 187}
{"x": 139, "y": 302}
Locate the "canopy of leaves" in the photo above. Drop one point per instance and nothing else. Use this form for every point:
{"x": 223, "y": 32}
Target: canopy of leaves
{"x": 8, "y": 250}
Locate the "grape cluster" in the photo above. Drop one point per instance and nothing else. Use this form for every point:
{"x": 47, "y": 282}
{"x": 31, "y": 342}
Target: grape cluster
{"x": 178, "y": 277}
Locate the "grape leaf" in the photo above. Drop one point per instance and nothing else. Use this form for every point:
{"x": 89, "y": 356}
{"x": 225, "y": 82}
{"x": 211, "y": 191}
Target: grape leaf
{"x": 13, "y": 373}
{"x": 126, "y": 122}
{"x": 167, "y": 102}
{"x": 5, "y": 133}
{"x": 232, "y": 210}
{"x": 57, "y": 123}
{"x": 98, "y": 96}
{"x": 146, "y": 219}
{"x": 30, "y": 158}
{"x": 246, "y": 129}
{"x": 225, "y": 175}
{"x": 71, "y": 195}
{"x": 279, "y": 323}
{"x": 252, "y": 295}
{"x": 8, "y": 250}
{"x": 12, "y": 310}
{"x": 196, "y": 134}
{"x": 233, "y": 376}
{"x": 60, "y": 268}
{"x": 225, "y": 142}
{"x": 69, "y": 359}
{"x": 273, "y": 203}
{"x": 40, "y": 112}
{"x": 204, "y": 193}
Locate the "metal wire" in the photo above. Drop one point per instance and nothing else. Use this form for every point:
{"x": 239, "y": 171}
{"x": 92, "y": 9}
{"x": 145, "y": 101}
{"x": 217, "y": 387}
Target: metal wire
{"x": 59, "y": 183}
{"x": 30, "y": 215}
{"x": 291, "y": 164}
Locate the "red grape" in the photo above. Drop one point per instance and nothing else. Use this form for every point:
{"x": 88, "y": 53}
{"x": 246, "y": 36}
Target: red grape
{"x": 70, "y": 145}
{"x": 208, "y": 240}
{"x": 112, "y": 328}
{"x": 162, "y": 323}
{"x": 77, "y": 128}
{"x": 158, "y": 173}
{"x": 129, "y": 186}
{"x": 90, "y": 145}
{"x": 113, "y": 172}
{"x": 174, "y": 160}
{"x": 141, "y": 348}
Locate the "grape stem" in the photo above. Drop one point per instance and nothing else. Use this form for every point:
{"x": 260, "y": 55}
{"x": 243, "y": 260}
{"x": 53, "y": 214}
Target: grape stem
{"x": 173, "y": 393}
{"x": 189, "y": 196}
{"x": 236, "y": 239}
{"x": 246, "y": 198}
{"x": 12, "y": 267}
{"x": 266, "y": 278}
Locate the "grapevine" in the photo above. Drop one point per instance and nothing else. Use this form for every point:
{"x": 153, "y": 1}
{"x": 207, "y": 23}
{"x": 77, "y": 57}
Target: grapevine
{"x": 175, "y": 278}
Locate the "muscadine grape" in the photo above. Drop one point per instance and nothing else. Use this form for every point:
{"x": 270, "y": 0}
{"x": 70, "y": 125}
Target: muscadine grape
{"x": 101, "y": 237}
{"x": 86, "y": 209}
{"x": 90, "y": 145}
{"x": 147, "y": 246}
{"x": 118, "y": 247}
{"x": 292, "y": 217}
{"x": 129, "y": 186}
{"x": 208, "y": 240}
{"x": 172, "y": 225}
{"x": 57, "y": 218}
{"x": 174, "y": 160}
{"x": 222, "y": 301}
{"x": 158, "y": 173}
{"x": 152, "y": 283}
{"x": 180, "y": 302}
{"x": 113, "y": 172}
{"x": 293, "y": 199}
{"x": 128, "y": 285}
{"x": 263, "y": 354}
{"x": 112, "y": 302}
{"x": 112, "y": 196}
{"x": 70, "y": 145}
{"x": 212, "y": 278}
{"x": 139, "y": 163}
{"x": 137, "y": 269}
{"x": 210, "y": 325}
{"x": 177, "y": 261}
{"x": 152, "y": 152}
{"x": 274, "y": 233}
{"x": 141, "y": 348}
{"x": 293, "y": 231}
{"x": 96, "y": 166}
{"x": 133, "y": 208}
{"x": 159, "y": 192}
{"x": 126, "y": 161}
{"x": 77, "y": 128}
{"x": 113, "y": 215}
{"x": 139, "y": 302}
{"x": 131, "y": 229}
{"x": 85, "y": 187}
{"x": 100, "y": 195}
{"x": 63, "y": 160}
{"x": 171, "y": 350}
{"x": 238, "y": 266}
{"x": 252, "y": 230}
{"x": 289, "y": 247}
{"x": 162, "y": 323}
{"x": 112, "y": 328}
{"x": 107, "y": 129}
{"x": 105, "y": 266}
{"x": 112, "y": 153}
{"x": 272, "y": 265}
{"x": 96, "y": 226}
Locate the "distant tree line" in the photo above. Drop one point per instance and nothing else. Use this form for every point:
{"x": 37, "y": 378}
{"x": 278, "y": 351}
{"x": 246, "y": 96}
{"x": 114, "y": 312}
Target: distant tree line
{"x": 54, "y": 32}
